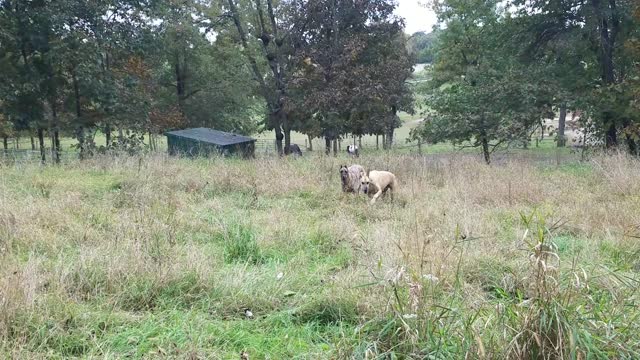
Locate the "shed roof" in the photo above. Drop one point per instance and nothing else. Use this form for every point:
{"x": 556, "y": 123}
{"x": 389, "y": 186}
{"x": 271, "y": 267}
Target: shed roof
{"x": 211, "y": 136}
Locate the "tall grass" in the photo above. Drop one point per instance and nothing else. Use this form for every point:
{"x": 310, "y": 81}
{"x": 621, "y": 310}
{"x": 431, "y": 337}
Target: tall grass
{"x": 162, "y": 257}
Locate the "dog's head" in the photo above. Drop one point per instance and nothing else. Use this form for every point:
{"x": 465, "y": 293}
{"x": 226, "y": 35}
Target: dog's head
{"x": 344, "y": 172}
{"x": 364, "y": 183}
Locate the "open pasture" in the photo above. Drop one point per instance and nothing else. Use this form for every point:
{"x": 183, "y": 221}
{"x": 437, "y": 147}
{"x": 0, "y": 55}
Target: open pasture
{"x": 159, "y": 257}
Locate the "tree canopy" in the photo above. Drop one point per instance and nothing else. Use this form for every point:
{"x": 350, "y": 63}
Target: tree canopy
{"x": 503, "y": 67}
{"x": 423, "y": 46}
{"x": 128, "y": 68}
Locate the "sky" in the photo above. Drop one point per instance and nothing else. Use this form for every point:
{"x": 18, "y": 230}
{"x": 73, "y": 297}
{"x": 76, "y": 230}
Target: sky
{"x": 417, "y": 17}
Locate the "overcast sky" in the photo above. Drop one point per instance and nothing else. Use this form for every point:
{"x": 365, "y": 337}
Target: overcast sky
{"x": 417, "y": 17}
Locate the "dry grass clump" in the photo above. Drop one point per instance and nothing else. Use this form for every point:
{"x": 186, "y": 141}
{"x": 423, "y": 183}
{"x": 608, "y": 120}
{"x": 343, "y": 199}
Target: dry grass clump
{"x": 620, "y": 171}
{"x": 456, "y": 267}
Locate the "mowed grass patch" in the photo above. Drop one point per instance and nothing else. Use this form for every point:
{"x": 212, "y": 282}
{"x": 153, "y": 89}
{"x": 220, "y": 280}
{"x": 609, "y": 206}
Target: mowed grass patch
{"x": 160, "y": 257}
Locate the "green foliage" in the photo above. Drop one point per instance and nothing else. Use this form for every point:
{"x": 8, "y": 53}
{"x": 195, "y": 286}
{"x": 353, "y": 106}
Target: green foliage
{"x": 423, "y": 46}
{"x": 480, "y": 94}
{"x": 240, "y": 244}
{"x": 501, "y": 70}
{"x": 351, "y": 79}
{"x": 118, "y": 66}
{"x": 328, "y": 312}
{"x": 583, "y": 44}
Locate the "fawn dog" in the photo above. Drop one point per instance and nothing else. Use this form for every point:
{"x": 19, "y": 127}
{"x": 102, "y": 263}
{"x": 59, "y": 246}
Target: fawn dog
{"x": 377, "y": 183}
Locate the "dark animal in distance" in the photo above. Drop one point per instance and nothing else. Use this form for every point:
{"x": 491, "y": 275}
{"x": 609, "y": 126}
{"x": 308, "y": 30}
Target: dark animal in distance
{"x": 295, "y": 149}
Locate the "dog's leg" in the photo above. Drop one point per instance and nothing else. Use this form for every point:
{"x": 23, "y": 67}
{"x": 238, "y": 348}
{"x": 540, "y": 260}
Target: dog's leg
{"x": 376, "y": 196}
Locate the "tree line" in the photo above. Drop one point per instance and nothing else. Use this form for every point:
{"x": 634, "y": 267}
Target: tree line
{"x": 501, "y": 68}
{"x": 131, "y": 69}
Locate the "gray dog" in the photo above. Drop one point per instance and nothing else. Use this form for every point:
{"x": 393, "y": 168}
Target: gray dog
{"x": 350, "y": 177}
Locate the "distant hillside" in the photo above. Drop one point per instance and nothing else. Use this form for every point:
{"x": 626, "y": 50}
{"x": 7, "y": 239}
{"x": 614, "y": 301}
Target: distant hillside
{"x": 421, "y": 45}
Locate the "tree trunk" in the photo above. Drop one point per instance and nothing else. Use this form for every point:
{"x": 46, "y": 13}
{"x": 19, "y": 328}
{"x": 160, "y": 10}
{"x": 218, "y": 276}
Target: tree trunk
{"x": 287, "y": 135}
{"x": 180, "y": 84}
{"x": 43, "y": 155}
{"x": 33, "y": 142}
{"x": 327, "y": 145}
{"x": 17, "y": 142}
{"x": 632, "y": 147}
{"x": 80, "y": 128}
{"x": 107, "y": 135}
{"x": 55, "y": 140}
{"x": 562, "y": 141}
{"x": 310, "y": 142}
{"x": 335, "y": 147}
{"x": 360, "y": 141}
{"x": 391, "y": 127}
{"x": 609, "y": 27}
{"x": 384, "y": 141}
{"x": 279, "y": 137}
{"x": 485, "y": 150}
{"x": 152, "y": 142}
{"x": 5, "y": 143}
{"x": 611, "y": 136}
{"x": 377, "y": 142}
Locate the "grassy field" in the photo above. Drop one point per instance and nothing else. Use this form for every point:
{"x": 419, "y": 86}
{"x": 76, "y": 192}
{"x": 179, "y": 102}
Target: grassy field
{"x": 159, "y": 257}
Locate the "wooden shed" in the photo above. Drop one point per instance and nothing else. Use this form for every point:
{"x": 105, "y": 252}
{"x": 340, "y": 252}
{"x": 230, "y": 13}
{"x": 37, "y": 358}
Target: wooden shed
{"x": 205, "y": 142}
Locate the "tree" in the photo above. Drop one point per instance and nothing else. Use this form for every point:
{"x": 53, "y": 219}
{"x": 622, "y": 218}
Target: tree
{"x": 352, "y": 63}
{"x": 26, "y": 26}
{"x": 480, "y": 96}
{"x": 422, "y": 46}
{"x": 598, "y": 27}
{"x": 274, "y": 34}
{"x": 116, "y": 65}
{"x": 197, "y": 68}
{"x": 6, "y": 131}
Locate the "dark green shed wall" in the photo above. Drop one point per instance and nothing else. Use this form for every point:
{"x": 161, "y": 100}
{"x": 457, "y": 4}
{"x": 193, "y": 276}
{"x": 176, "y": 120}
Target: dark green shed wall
{"x": 178, "y": 145}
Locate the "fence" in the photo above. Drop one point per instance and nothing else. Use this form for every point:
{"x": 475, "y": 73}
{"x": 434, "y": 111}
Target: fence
{"x": 266, "y": 147}
{"x": 25, "y": 156}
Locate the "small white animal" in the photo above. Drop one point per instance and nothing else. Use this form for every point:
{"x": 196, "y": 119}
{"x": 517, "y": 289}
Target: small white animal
{"x": 353, "y": 150}
{"x": 248, "y": 314}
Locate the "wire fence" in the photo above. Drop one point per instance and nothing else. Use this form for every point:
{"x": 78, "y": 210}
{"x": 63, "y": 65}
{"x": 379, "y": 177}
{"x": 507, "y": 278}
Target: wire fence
{"x": 266, "y": 147}
{"x": 25, "y": 156}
